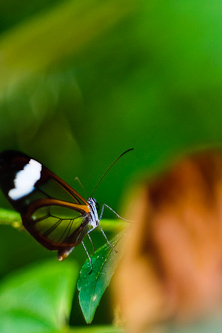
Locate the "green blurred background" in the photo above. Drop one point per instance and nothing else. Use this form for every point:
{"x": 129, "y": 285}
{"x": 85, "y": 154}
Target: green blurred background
{"x": 82, "y": 81}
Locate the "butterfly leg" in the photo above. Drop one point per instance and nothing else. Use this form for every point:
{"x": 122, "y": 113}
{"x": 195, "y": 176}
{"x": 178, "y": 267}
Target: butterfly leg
{"x": 102, "y": 210}
{"x": 100, "y": 217}
{"x": 101, "y": 214}
{"x": 90, "y": 260}
{"x": 92, "y": 244}
{"x": 106, "y": 238}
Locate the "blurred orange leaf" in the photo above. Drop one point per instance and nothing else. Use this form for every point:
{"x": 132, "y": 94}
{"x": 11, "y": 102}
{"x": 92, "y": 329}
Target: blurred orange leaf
{"x": 172, "y": 267}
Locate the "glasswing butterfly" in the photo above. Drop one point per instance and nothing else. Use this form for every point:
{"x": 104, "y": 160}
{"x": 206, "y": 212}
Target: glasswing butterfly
{"x": 51, "y": 211}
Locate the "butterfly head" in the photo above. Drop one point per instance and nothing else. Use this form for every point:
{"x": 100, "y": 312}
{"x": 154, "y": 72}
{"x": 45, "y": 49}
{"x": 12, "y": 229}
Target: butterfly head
{"x": 94, "y": 206}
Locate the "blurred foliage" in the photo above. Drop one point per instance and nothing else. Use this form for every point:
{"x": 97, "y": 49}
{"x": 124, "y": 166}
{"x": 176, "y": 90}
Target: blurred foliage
{"x": 37, "y": 299}
{"x": 82, "y": 81}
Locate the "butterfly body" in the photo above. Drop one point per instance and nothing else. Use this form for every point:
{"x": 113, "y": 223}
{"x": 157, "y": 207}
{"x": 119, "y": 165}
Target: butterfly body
{"x": 51, "y": 211}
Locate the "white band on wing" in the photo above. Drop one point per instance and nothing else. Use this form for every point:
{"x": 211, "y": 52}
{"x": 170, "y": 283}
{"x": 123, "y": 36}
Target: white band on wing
{"x": 25, "y": 180}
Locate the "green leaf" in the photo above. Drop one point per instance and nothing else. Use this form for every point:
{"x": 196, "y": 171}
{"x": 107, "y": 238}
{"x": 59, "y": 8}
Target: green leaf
{"x": 10, "y": 217}
{"x": 37, "y": 299}
{"x": 92, "y": 286}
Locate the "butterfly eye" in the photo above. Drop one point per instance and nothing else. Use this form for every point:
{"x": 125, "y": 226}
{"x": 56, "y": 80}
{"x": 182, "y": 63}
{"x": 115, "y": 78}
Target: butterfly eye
{"x": 97, "y": 206}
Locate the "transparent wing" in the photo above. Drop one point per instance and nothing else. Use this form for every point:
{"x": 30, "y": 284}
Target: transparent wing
{"x": 56, "y": 224}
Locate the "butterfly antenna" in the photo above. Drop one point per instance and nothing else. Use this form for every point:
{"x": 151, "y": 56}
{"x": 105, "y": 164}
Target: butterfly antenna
{"x": 78, "y": 180}
{"x": 110, "y": 168}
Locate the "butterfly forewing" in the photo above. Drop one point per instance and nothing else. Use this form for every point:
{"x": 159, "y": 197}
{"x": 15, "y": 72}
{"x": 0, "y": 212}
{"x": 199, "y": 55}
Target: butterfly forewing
{"x": 55, "y": 214}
